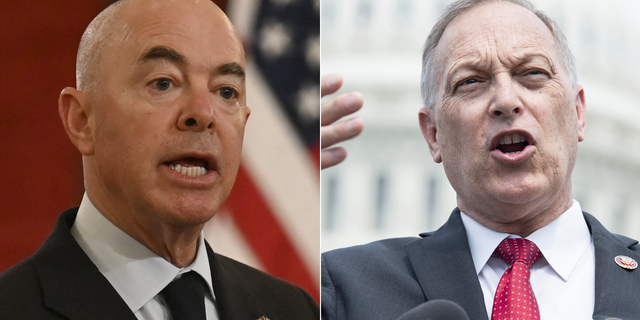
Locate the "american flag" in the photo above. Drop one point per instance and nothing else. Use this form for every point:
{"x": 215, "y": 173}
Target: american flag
{"x": 271, "y": 220}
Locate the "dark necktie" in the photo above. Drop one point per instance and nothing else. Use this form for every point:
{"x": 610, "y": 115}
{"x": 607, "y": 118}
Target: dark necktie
{"x": 514, "y": 297}
{"x": 185, "y": 297}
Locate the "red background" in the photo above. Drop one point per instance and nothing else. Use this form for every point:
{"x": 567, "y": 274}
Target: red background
{"x": 40, "y": 171}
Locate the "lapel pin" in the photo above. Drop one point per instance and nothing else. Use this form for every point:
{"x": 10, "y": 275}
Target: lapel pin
{"x": 626, "y": 262}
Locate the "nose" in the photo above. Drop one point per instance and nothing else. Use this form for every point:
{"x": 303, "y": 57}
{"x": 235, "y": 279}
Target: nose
{"x": 197, "y": 113}
{"x": 506, "y": 101}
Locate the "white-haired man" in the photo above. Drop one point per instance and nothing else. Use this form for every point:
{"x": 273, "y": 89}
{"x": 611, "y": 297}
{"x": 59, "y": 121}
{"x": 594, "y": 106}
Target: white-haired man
{"x": 504, "y": 114}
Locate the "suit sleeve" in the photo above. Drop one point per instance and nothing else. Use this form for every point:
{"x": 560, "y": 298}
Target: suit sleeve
{"x": 328, "y": 298}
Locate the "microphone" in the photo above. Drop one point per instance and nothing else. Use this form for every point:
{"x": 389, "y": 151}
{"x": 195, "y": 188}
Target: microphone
{"x": 436, "y": 310}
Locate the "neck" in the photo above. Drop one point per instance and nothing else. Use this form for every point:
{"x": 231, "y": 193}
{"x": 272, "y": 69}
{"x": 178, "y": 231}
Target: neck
{"x": 177, "y": 244}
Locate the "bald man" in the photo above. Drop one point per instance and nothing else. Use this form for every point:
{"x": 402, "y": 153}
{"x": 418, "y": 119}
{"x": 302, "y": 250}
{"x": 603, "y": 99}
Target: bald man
{"x": 158, "y": 115}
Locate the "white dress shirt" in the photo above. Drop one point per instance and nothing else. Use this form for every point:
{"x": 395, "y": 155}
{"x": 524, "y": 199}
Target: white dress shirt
{"x": 563, "y": 279}
{"x": 135, "y": 272}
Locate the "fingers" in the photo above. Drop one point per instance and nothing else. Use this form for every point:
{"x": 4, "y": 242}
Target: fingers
{"x": 330, "y": 83}
{"x": 333, "y": 156}
{"x": 340, "y": 106}
{"x": 341, "y": 131}
{"x": 331, "y": 111}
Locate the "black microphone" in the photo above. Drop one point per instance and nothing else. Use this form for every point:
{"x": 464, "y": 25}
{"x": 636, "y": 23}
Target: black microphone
{"x": 436, "y": 310}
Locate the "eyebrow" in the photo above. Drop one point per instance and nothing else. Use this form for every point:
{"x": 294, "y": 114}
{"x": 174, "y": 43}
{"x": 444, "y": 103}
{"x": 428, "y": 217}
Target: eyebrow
{"x": 233, "y": 68}
{"x": 160, "y": 52}
{"x": 533, "y": 57}
{"x": 474, "y": 64}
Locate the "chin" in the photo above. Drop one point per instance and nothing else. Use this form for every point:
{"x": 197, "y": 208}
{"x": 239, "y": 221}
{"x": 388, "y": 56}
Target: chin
{"x": 191, "y": 210}
{"x": 520, "y": 193}
{"x": 516, "y": 199}
{"x": 190, "y": 216}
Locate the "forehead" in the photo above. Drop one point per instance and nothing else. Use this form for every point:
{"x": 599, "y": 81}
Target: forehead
{"x": 495, "y": 28}
{"x": 196, "y": 29}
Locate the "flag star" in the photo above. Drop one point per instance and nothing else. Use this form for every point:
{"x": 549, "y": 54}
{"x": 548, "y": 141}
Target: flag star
{"x": 312, "y": 52}
{"x": 308, "y": 103}
{"x": 275, "y": 40}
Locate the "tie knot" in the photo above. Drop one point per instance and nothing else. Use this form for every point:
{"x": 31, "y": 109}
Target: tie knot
{"x": 518, "y": 249}
{"x": 185, "y": 297}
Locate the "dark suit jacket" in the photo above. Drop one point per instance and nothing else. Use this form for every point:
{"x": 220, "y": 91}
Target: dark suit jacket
{"x": 59, "y": 281}
{"x": 384, "y": 279}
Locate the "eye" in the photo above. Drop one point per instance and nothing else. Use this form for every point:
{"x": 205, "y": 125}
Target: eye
{"x": 162, "y": 84}
{"x": 536, "y": 73}
{"x": 466, "y": 82}
{"x": 469, "y": 81}
{"x": 534, "y": 78}
{"x": 227, "y": 93}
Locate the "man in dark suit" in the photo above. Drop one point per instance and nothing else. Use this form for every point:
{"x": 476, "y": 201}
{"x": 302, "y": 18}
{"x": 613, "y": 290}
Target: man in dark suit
{"x": 504, "y": 114}
{"x": 158, "y": 116}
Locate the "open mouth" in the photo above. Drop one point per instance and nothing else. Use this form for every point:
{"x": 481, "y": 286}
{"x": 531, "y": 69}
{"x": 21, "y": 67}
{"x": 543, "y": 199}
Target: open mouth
{"x": 512, "y": 143}
{"x": 191, "y": 167}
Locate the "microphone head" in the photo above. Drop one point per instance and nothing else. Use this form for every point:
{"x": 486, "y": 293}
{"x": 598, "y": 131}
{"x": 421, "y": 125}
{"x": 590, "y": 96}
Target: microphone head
{"x": 436, "y": 310}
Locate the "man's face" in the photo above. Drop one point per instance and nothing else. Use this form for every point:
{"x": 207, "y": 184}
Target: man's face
{"x": 168, "y": 110}
{"x": 507, "y": 120}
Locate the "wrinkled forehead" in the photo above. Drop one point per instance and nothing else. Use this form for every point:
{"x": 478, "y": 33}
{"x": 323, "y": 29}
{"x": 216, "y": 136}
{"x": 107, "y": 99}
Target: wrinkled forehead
{"x": 495, "y": 28}
{"x": 199, "y": 27}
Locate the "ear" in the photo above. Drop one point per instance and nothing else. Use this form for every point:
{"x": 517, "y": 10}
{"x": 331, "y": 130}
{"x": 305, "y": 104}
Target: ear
{"x": 248, "y": 114}
{"x": 429, "y": 130}
{"x": 74, "y": 112}
{"x": 581, "y": 110}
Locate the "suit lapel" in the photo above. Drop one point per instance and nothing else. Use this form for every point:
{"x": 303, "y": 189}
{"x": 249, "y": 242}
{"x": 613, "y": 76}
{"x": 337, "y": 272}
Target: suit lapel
{"x": 72, "y": 285}
{"x": 234, "y": 298}
{"x": 616, "y": 288}
{"x": 444, "y": 267}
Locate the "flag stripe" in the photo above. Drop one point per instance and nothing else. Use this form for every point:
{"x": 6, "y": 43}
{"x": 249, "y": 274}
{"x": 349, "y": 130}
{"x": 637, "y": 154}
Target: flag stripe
{"x": 282, "y": 169}
{"x": 265, "y": 235}
{"x": 231, "y": 241}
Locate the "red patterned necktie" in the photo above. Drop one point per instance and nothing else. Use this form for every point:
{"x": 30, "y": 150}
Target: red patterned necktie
{"x": 514, "y": 297}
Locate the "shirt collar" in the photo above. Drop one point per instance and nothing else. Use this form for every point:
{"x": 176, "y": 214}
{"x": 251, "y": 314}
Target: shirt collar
{"x": 135, "y": 272}
{"x": 562, "y": 242}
